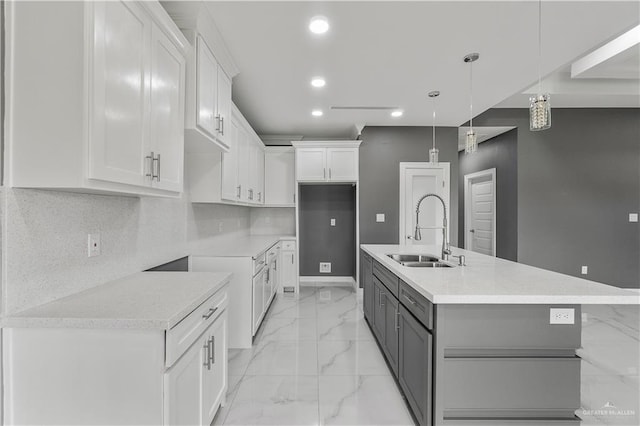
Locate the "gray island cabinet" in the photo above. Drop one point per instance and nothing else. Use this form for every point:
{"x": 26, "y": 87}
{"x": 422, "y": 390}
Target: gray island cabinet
{"x": 478, "y": 357}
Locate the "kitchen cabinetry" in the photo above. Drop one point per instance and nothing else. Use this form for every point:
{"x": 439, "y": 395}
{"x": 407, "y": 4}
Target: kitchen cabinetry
{"x": 288, "y": 267}
{"x": 366, "y": 277}
{"x": 119, "y": 130}
{"x": 328, "y": 161}
{"x": 134, "y": 351}
{"x": 232, "y": 177}
{"x": 279, "y": 177}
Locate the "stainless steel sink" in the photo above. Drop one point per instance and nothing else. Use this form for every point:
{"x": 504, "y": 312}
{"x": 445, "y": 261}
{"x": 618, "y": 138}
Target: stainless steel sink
{"x": 419, "y": 261}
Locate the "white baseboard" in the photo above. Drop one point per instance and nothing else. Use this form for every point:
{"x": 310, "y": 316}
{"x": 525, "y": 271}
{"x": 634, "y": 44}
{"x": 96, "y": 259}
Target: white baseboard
{"x": 325, "y": 281}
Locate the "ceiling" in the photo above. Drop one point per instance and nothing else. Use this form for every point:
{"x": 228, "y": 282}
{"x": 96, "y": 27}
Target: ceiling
{"x": 391, "y": 54}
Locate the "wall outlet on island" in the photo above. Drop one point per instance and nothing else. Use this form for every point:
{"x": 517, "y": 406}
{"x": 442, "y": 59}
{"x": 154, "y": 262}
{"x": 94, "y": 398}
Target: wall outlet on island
{"x": 562, "y": 316}
{"x": 325, "y": 267}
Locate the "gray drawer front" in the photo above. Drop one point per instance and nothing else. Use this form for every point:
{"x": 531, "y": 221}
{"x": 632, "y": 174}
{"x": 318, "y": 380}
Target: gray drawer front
{"x": 417, "y": 304}
{"x": 505, "y": 326}
{"x": 513, "y": 387}
{"x": 386, "y": 277}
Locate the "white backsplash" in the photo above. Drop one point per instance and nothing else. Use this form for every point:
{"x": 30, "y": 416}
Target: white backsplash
{"x": 45, "y": 239}
{"x": 273, "y": 221}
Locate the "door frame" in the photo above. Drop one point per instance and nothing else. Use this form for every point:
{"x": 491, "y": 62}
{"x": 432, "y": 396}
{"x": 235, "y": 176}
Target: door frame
{"x": 468, "y": 180}
{"x": 447, "y": 192}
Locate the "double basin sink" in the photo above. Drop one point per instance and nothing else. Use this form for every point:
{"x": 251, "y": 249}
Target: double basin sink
{"x": 419, "y": 261}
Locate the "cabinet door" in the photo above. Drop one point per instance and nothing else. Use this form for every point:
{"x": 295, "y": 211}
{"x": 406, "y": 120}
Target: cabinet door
{"x": 414, "y": 366}
{"x": 167, "y": 111}
{"x": 224, "y": 106}
{"x": 230, "y": 190}
{"x": 206, "y": 88}
{"x": 260, "y": 175}
{"x": 279, "y": 176}
{"x": 243, "y": 164}
{"x": 391, "y": 325}
{"x": 214, "y": 381}
{"x": 311, "y": 164}
{"x": 258, "y": 301}
{"x": 287, "y": 269}
{"x": 119, "y": 125}
{"x": 379, "y": 292}
{"x": 342, "y": 164}
{"x": 183, "y": 387}
{"x": 367, "y": 287}
{"x": 253, "y": 172}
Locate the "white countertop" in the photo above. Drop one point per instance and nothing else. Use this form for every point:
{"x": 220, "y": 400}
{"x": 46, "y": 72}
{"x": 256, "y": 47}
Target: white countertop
{"x": 249, "y": 246}
{"x": 490, "y": 280}
{"x": 146, "y": 300}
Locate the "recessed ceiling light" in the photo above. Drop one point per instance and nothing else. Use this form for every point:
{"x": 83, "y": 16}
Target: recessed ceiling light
{"x": 396, "y": 113}
{"x": 319, "y": 25}
{"x": 317, "y": 113}
{"x": 318, "y": 82}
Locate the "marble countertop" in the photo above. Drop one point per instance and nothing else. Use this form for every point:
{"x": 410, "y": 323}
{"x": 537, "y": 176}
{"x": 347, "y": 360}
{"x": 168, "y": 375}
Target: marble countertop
{"x": 490, "y": 280}
{"x": 249, "y": 246}
{"x": 146, "y": 300}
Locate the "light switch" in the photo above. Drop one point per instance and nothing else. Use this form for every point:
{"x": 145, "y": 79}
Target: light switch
{"x": 333, "y": 222}
{"x": 633, "y": 217}
{"x": 380, "y": 217}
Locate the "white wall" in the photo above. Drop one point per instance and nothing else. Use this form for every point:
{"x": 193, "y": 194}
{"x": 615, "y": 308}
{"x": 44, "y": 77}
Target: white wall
{"x": 44, "y": 239}
{"x": 273, "y": 221}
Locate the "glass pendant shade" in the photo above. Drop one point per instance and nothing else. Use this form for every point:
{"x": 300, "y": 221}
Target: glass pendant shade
{"x": 433, "y": 155}
{"x": 539, "y": 112}
{"x": 471, "y": 142}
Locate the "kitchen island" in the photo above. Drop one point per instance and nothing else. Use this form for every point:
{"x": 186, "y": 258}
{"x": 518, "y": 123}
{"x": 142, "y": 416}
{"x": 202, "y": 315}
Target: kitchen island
{"x": 493, "y": 342}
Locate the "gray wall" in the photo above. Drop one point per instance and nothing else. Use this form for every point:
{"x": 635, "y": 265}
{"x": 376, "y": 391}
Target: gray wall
{"x": 577, "y": 184}
{"x": 500, "y": 153}
{"x": 381, "y": 152}
{"x": 320, "y": 242}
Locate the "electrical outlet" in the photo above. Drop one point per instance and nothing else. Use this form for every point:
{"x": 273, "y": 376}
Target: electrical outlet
{"x": 584, "y": 270}
{"x": 561, "y": 315}
{"x": 633, "y": 217}
{"x": 94, "y": 246}
{"x": 333, "y": 222}
{"x": 325, "y": 267}
{"x": 379, "y": 217}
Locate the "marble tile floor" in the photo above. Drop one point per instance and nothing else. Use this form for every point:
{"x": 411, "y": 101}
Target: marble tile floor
{"x": 315, "y": 362}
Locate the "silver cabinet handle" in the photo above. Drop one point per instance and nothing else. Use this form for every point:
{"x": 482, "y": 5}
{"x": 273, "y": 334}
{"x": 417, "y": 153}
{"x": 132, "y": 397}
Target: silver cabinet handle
{"x": 275, "y": 265}
{"x": 410, "y": 299}
{"x": 292, "y": 258}
{"x": 472, "y": 231}
{"x": 397, "y": 320}
{"x": 158, "y": 174}
{"x": 324, "y": 173}
{"x": 294, "y": 198}
{"x": 329, "y": 173}
{"x": 239, "y": 191}
{"x": 259, "y": 196}
{"x": 218, "y": 123}
{"x": 381, "y": 296}
{"x": 206, "y": 356}
{"x": 152, "y": 161}
{"x": 222, "y": 125}
{"x": 212, "y": 351}
{"x": 209, "y": 313}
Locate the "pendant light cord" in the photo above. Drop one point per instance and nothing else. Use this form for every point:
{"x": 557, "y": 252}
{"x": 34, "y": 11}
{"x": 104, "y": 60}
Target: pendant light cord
{"x": 539, "y": 46}
{"x": 471, "y": 96}
{"x": 434, "y": 124}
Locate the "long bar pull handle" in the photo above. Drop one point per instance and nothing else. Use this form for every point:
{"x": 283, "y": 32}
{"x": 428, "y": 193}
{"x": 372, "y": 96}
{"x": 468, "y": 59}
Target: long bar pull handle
{"x": 324, "y": 173}
{"x": 158, "y": 174}
{"x": 209, "y": 313}
{"x": 239, "y": 191}
{"x": 410, "y": 299}
{"x": 218, "y": 123}
{"x": 222, "y": 125}
{"x": 382, "y": 295}
{"x": 151, "y": 159}
{"x": 206, "y": 356}
{"x": 397, "y": 320}
{"x": 212, "y": 354}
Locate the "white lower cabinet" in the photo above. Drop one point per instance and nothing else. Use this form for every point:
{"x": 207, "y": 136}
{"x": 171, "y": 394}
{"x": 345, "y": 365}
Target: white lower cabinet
{"x": 119, "y": 376}
{"x": 287, "y": 267}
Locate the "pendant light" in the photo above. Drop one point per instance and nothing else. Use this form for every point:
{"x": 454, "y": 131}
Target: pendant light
{"x": 471, "y": 140}
{"x": 433, "y": 152}
{"x": 539, "y": 105}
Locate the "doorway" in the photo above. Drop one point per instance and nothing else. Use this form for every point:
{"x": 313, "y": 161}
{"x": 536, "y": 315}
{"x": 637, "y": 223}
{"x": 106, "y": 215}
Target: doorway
{"x": 480, "y": 212}
{"x": 416, "y": 180}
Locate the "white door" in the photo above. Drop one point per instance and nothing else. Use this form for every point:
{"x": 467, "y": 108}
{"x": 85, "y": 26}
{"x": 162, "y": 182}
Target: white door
{"x": 280, "y": 180}
{"x": 214, "y": 380}
{"x": 118, "y": 144}
{"x": 311, "y": 164}
{"x": 417, "y": 180}
{"x": 342, "y": 164}
{"x": 243, "y": 163}
{"x": 207, "y": 88}
{"x": 230, "y": 173}
{"x": 223, "y": 106}
{"x": 167, "y": 111}
{"x": 183, "y": 387}
{"x": 480, "y": 212}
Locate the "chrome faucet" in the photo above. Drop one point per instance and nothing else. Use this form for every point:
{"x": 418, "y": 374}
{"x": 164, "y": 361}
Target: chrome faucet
{"x": 418, "y": 235}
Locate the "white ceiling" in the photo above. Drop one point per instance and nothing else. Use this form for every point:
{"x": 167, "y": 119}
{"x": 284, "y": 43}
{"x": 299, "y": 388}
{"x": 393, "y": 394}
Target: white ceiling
{"x": 393, "y": 53}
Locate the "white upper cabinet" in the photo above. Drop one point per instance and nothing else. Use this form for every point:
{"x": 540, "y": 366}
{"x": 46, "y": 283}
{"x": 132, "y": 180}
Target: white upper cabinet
{"x": 210, "y": 70}
{"x": 279, "y": 176}
{"x": 230, "y": 183}
{"x": 327, "y": 161}
{"x": 109, "y": 114}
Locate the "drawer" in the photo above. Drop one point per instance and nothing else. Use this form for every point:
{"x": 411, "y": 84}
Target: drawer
{"x": 417, "y": 304}
{"x": 386, "y": 277}
{"x": 187, "y": 331}
{"x": 288, "y": 245}
{"x": 514, "y": 387}
{"x": 259, "y": 262}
